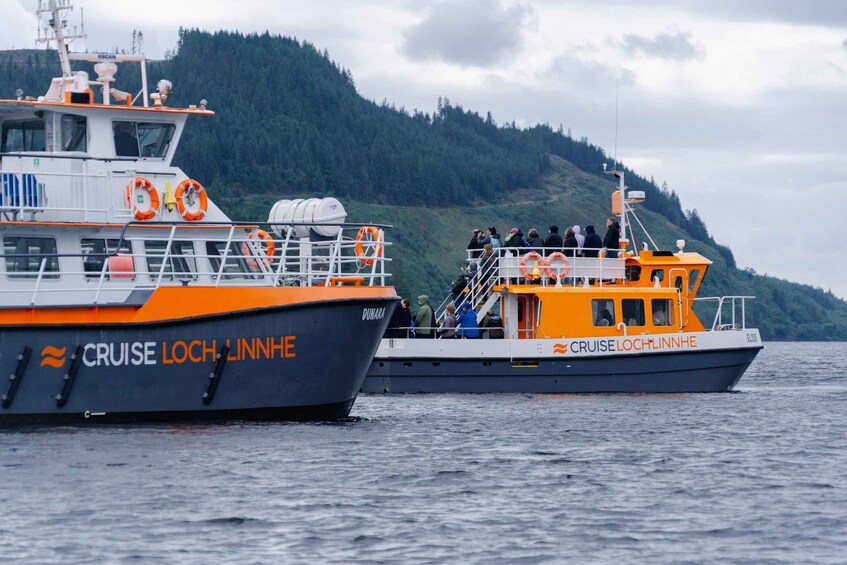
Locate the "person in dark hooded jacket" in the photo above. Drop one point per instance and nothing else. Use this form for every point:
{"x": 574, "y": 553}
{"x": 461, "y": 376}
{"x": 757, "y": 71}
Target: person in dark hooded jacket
{"x": 593, "y": 243}
{"x": 475, "y": 244}
{"x": 613, "y": 237}
{"x": 554, "y": 241}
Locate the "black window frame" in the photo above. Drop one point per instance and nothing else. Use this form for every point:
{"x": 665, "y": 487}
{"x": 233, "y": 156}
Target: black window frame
{"x": 596, "y": 309}
{"x": 93, "y": 260}
{"x": 18, "y": 257}
{"x": 638, "y": 313}
{"x": 179, "y": 264}
{"x": 25, "y": 147}
{"x": 122, "y": 146}
{"x": 79, "y": 141}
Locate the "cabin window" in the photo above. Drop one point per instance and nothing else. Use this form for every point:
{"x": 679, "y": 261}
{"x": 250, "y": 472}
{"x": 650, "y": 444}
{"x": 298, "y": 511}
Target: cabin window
{"x": 142, "y": 139}
{"x": 677, "y": 282}
{"x": 693, "y": 278}
{"x": 633, "y": 311}
{"x": 97, "y": 252}
{"x": 603, "y": 311}
{"x": 74, "y": 133}
{"x": 657, "y": 274}
{"x": 236, "y": 265}
{"x": 633, "y": 273}
{"x": 180, "y": 265}
{"x": 24, "y": 255}
{"x": 23, "y": 136}
{"x": 662, "y": 312}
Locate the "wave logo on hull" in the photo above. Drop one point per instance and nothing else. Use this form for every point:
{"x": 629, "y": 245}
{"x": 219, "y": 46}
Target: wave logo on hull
{"x": 560, "y": 348}
{"x": 53, "y": 357}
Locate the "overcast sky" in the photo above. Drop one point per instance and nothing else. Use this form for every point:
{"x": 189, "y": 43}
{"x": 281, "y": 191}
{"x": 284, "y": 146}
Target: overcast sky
{"x": 738, "y": 104}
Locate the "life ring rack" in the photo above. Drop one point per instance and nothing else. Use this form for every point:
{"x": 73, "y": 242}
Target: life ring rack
{"x": 553, "y": 272}
{"x": 185, "y": 191}
{"x": 537, "y": 260}
{"x": 368, "y": 245}
{"x": 141, "y": 214}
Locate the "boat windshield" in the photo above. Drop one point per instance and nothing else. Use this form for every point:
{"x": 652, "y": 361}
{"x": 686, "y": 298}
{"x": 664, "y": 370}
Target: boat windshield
{"x": 142, "y": 139}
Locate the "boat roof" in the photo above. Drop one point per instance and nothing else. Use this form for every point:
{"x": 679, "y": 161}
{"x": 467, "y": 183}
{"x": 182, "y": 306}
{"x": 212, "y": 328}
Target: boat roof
{"x": 11, "y": 106}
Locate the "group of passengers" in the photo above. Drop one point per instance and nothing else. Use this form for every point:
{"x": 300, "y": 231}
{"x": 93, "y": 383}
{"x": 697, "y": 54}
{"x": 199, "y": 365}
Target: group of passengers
{"x": 458, "y": 323}
{"x": 485, "y": 245}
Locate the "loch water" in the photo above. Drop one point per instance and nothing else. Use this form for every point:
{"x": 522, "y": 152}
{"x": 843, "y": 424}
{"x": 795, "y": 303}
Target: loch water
{"x": 759, "y": 475}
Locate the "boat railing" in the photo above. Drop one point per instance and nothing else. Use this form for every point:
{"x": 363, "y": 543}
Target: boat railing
{"x": 506, "y": 265}
{"x": 79, "y": 195}
{"x": 146, "y": 256}
{"x": 730, "y": 312}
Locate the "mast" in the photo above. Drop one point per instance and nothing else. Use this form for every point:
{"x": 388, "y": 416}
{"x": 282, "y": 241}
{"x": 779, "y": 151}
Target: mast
{"x": 54, "y": 30}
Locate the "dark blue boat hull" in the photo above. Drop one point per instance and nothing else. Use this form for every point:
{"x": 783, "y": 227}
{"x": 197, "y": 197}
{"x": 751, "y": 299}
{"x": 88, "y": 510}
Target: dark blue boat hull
{"x": 689, "y": 371}
{"x": 304, "y": 362}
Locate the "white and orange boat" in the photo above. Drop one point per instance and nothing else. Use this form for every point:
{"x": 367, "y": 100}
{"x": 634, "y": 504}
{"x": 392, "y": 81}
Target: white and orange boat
{"x": 583, "y": 324}
{"x": 128, "y": 295}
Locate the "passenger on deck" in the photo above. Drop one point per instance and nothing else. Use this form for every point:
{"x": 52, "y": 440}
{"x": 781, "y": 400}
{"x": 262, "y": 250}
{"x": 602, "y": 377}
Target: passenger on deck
{"x": 448, "y": 326}
{"x": 554, "y": 241}
{"x": 424, "y": 320}
{"x": 592, "y": 242}
{"x": 534, "y": 241}
{"x": 515, "y": 240}
{"x": 401, "y": 320}
{"x": 571, "y": 244}
{"x": 475, "y": 244}
{"x": 580, "y": 239}
{"x": 613, "y": 237}
{"x": 492, "y": 325}
{"x": 486, "y": 262}
{"x": 468, "y": 327}
{"x": 494, "y": 239}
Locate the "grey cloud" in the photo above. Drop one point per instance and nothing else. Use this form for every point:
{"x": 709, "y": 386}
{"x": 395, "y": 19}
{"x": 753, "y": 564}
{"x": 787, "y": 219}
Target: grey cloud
{"x": 827, "y": 13}
{"x": 588, "y": 75}
{"x": 844, "y": 44}
{"x": 676, "y": 47}
{"x": 473, "y": 33}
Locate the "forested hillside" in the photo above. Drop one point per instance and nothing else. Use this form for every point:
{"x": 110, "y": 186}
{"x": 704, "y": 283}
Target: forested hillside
{"x": 290, "y": 122}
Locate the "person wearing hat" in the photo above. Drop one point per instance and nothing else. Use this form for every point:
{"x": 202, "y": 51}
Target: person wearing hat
{"x": 424, "y": 320}
{"x": 534, "y": 240}
{"x": 554, "y": 242}
{"x": 468, "y": 327}
{"x": 516, "y": 239}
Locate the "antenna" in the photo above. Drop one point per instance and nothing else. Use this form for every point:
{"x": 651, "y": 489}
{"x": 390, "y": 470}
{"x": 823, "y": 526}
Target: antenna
{"x": 55, "y": 11}
{"x": 617, "y": 93}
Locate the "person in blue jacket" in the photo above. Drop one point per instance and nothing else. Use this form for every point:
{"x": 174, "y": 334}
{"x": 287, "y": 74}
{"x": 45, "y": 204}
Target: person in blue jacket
{"x": 468, "y": 328}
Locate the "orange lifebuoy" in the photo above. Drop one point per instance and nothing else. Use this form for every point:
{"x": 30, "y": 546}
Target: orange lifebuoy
{"x": 527, "y": 273}
{"x": 556, "y": 273}
{"x": 198, "y": 201}
{"x": 270, "y": 248}
{"x": 143, "y": 214}
{"x": 368, "y": 245}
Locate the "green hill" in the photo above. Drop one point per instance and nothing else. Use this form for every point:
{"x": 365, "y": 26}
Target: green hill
{"x": 290, "y": 123}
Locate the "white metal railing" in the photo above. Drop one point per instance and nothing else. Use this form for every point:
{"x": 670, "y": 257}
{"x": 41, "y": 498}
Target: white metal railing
{"x": 179, "y": 254}
{"x": 737, "y": 311}
{"x": 505, "y": 268}
{"x": 34, "y": 191}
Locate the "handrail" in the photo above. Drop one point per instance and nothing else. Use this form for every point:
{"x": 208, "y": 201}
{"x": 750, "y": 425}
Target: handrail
{"x": 717, "y": 322}
{"x": 242, "y": 261}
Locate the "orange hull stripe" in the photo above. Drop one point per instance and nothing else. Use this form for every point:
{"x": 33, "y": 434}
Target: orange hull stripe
{"x": 179, "y": 303}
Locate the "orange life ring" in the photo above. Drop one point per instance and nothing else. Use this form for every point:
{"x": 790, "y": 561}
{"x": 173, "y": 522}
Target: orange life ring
{"x": 527, "y": 273}
{"x": 365, "y": 239}
{"x": 189, "y": 189}
{"x": 141, "y": 183}
{"x": 556, "y": 273}
{"x": 270, "y": 248}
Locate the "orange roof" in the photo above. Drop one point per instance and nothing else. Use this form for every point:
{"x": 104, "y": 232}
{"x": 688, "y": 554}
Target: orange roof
{"x": 160, "y": 109}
